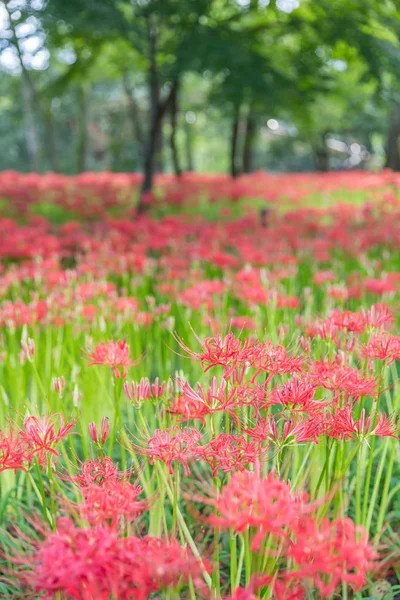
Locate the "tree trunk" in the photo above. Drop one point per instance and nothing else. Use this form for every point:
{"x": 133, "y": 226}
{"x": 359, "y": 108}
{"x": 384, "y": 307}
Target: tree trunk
{"x": 150, "y": 152}
{"x": 29, "y": 99}
{"x": 172, "y": 139}
{"x": 234, "y": 141}
{"x": 321, "y": 156}
{"x": 189, "y": 147}
{"x": 133, "y": 112}
{"x": 159, "y": 150}
{"x": 249, "y": 138}
{"x": 158, "y": 108}
{"x": 392, "y": 147}
{"x": 82, "y": 130}
{"x": 51, "y": 146}
{"x": 32, "y": 134}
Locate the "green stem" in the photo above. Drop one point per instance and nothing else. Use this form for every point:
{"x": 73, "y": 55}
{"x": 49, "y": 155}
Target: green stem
{"x": 40, "y": 488}
{"x": 385, "y": 492}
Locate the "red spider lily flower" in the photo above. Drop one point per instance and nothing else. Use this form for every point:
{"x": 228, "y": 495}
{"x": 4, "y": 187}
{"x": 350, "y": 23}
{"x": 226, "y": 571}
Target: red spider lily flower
{"x": 231, "y": 453}
{"x": 282, "y": 588}
{"x": 275, "y": 360}
{"x": 105, "y": 429}
{"x": 42, "y": 434}
{"x": 384, "y": 427}
{"x": 343, "y": 425}
{"x": 188, "y": 409}
{"x": 265, "y": 504}
{"x": 381, "y": 346}
{"x": 112, "y": 502}
{"x": 292, "y": 432}
{"x": 166, "y": 563}
{"x": 99, "y": 472}
{"x": 207, "y": 401}
{"x": 378, "y": 316}
{"x": 297, "y": 394}
{"x": 144, "y": 390}
{"x": 14, "y": 453}
{"x": 331, "y": 553}
{"x": 173, "y": 445}
{"x": 114, "y": 354}
{"x": 342, "y": 379}
{"x": 94, "y": 562}
{"x": 228, "y": 352}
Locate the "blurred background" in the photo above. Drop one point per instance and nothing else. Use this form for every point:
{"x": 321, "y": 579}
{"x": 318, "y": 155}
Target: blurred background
{"x": 171, "y": 86}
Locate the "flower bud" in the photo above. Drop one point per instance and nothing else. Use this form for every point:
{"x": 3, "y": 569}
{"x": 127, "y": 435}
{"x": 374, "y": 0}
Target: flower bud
{"x": 28, "y": 349}
{"x": 58, "y": 385}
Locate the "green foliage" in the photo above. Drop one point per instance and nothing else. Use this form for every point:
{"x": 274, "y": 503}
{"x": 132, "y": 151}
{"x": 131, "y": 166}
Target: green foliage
{"x": 326, "y": 68}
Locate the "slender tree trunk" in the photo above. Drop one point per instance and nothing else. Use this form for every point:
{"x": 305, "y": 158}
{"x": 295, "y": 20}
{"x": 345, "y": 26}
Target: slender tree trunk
{"x": 32, "y": 134}
{"x": 151, "y": 145}
{"x": 189, "y": 147}
{"x": 250, "y": 134}
{"x": 392, "y": 146}
{"x": 82, "y": 147}
{"x": 172, "y": 139}
{"x": 29, "y": 100}
{"x": 51, "y": 146}
{"x": 133, "y": 112}
{"x": 234, "y": 141}
{"x": 158, "y": 109}
{"x": 159, "y": 150}
{"x": 321, "y": 156}
{"x": 155, "y": 117}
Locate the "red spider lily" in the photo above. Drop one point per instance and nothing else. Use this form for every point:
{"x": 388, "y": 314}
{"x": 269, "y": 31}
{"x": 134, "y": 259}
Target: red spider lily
{"x": 227, "y": 352}
{"x": 112, "y": 502}
{"x": 42, "y": 434}
{"x": 343, "y": 425}
{"x": 231, "y": 453}
{"x": 173, "y": 445}
{"x": 144, "y": 390}
{"x": 105, "y": 429}
{"x": 265, "y": 504}
{"x": 216, "y": 398}
{"x": 292, "y": 432}
{"x": 275, "y": 360}
{"x": 282, "y": 588}
{"x": 331, "y": 553}
{"x": 342, "y": 379}
{"x": 297, "y": 394}
{"x": 378, "y": 316}
{"x": 99, "y": 472}
{"x": 114, "y": 354}
{"x": 381, "y": 346}
{"x": 188, "y": 409}
{"x": 14, "y": 453}
{"x": 94, "y": 562}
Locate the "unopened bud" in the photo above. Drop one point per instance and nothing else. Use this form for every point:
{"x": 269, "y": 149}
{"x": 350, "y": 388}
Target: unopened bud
{"x": 59, "y": 385}
{"x": 94, "y": 434}
{"x": 28, "y": 349}
{"x": 76, "y": 396}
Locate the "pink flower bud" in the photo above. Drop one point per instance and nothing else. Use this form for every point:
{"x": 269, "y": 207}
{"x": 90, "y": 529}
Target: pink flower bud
{"x": 93, "y": 432}
{"x": 28, "y": 349}
{"x": 105, "y": 429}
{"x": 58, "y": 385}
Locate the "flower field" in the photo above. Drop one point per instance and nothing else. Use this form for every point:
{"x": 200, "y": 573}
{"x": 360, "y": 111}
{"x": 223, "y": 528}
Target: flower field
{"x": 203, "y": 402}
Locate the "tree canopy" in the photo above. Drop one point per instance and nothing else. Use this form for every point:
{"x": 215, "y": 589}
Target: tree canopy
{"x": 233, "y": 85}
